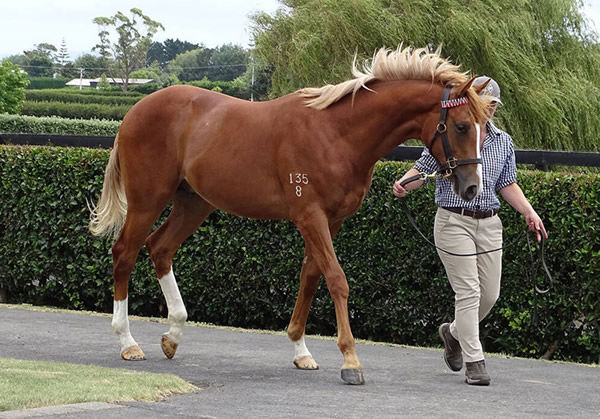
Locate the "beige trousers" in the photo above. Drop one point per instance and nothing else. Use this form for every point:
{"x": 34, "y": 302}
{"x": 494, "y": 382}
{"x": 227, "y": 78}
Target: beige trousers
{"x": 474, "y": 279}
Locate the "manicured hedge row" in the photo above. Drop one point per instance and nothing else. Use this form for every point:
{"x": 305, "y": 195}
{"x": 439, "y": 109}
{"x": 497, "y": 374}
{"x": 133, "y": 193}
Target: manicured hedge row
{"x": 66, "y": 96}
{"x": 242, "y": 272}
{"x": 55, "y": 125}
{"x": 75, "y": 110}
{"x": 235, "y": 88}
{"x": 47, "y": 82}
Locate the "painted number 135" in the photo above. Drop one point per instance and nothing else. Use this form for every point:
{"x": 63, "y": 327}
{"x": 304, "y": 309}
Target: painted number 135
{"x": 298, "y": 179}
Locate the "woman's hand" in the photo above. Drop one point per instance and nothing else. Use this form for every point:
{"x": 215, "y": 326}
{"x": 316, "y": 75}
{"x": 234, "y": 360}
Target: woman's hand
{"x": 534, "y": 222}
{"x": 399, "y": 191}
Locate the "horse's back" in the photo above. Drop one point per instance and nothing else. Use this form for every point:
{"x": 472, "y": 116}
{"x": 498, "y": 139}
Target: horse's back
{"x": 225, "y": 148}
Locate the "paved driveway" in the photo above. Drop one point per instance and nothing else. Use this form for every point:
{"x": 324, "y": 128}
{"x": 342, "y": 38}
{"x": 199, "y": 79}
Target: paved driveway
{"x": 244, "y": 374}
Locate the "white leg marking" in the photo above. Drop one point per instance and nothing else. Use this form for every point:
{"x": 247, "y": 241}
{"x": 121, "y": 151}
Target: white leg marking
{"x": 120, "y": 324}
{"x": 479, "y": 166}
{"x": 175, "y": 306}
{"x": 300, "y": 349}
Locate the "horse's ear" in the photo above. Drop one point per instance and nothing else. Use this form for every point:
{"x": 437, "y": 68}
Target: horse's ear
{"x": 462, "y": 89}
{"x": 478, "y": 87}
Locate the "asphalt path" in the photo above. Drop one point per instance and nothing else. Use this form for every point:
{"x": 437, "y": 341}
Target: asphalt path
{"x": 244, "y": 374}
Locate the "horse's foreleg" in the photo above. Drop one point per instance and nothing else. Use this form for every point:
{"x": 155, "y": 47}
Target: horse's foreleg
{"x": 319, "y": 243}
{"x": 309, "y": 281}
{"x": 188, "y": 213}
{"x": 125, "y": 252}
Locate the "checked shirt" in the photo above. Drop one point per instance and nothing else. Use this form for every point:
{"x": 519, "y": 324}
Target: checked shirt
{"x": 499, "y": 170}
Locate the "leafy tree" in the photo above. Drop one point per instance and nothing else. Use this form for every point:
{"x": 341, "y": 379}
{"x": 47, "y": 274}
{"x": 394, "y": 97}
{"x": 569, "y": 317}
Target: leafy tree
{"x": 191, "y": 65}
{"x": 151, "y": 72}
{"x": 12, "y": 87}
{"x": 93, "y": 65}
{"x": 227, "y": 62}
{"x": 130, "y": 49}
{"x": 163, "y": 52}
{"x": 39, "y": 61}
{"x": 546, "y": 59}
{"x": 224, "y": 63}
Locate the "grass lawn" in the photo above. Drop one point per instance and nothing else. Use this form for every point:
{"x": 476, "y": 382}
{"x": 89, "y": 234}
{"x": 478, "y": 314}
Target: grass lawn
{"x": 28, "y": 384}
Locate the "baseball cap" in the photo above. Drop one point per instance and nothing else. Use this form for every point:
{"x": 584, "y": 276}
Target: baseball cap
{"x": 492, "y": 90}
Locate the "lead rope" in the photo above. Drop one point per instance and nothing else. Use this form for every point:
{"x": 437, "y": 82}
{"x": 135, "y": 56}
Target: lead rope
{"x": 538, "y": 290}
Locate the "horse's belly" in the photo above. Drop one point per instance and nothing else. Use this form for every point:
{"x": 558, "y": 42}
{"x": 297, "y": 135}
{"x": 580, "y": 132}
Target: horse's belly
{"x": 246, "y": 196}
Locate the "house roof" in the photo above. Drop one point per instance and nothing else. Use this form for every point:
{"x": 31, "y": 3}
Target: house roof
{"x": 116, "y": 80}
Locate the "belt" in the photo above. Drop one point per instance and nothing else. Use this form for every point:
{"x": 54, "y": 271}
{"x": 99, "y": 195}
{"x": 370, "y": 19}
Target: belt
{"x": 473, "y": 214}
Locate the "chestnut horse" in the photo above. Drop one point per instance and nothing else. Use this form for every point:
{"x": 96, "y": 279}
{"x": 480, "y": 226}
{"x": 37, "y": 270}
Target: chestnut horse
{"x": 307, "y": 157}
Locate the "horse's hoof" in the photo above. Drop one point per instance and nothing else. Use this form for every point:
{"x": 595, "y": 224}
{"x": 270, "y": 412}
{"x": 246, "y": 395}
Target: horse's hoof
{"x": 306, "y": 363}
{"x": 168, "y": 346}
{"x": 133, "y": 353}
{"x": 353, "y": 376}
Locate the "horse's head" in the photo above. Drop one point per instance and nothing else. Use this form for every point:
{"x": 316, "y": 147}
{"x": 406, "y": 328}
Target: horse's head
{"x": 454, "y": 134}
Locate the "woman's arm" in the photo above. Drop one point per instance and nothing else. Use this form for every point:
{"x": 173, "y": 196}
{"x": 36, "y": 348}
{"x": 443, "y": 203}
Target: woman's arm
{"x": 400, "y": 191}
{"x": 514, "y": 196}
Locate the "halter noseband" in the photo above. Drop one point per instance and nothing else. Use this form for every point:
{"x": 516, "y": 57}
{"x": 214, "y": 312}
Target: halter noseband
{"x": 452, "y": 163}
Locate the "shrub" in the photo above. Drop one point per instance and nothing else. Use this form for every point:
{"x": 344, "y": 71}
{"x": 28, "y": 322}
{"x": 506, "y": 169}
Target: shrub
{"x": 55, "y": 125}
{"x": 243, "y": 272}
{"x": 55, "y": 95}
{"x": 75, "y": 110}
{"x": 12, "y": 87}
{"x": 47, "y": 82}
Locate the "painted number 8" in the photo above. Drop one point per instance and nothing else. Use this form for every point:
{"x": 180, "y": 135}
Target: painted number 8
{"x": 299, "y": 179}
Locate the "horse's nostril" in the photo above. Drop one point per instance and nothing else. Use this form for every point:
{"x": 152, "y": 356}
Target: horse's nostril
{"x": 471, "y": 192}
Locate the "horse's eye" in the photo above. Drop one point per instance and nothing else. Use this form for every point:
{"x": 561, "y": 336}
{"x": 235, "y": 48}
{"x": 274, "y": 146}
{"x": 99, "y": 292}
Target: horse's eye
{"x": 462, "y": 128}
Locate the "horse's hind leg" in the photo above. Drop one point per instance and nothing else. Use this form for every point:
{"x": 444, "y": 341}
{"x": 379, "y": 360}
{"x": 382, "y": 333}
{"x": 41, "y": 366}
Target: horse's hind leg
{"x": 188, "y": 213}
{"x": 309, "y": 281}
{"x": 125, "y": 251}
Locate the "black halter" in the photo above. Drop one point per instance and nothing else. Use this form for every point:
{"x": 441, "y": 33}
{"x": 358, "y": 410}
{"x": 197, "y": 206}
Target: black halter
{"x": 452, "y": 163}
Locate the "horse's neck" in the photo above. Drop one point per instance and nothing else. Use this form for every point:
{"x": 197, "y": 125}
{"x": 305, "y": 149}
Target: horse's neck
{"x": 378, "y": 122}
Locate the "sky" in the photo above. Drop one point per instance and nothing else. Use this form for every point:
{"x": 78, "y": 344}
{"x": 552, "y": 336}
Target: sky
{"x": 25, "y": 23}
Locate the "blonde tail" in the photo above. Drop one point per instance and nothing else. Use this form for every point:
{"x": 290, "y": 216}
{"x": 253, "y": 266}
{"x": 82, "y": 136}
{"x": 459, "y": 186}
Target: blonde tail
{"x": 108, "y": 217}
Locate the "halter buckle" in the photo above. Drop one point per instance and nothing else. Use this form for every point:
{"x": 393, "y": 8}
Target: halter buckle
{"x": 452, "y": 163}
{"x": 446, "y": 173}
{"x": 441, "y": 127}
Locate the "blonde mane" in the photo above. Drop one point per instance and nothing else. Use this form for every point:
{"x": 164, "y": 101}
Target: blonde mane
{"x": 401, "y": 64}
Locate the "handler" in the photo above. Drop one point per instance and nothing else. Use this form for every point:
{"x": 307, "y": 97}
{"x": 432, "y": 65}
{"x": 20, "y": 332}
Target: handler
{"x": 463, "y": 227}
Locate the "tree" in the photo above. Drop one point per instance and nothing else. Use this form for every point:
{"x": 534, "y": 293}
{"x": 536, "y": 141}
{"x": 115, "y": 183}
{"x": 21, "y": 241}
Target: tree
{"x": 93, "y": 65}
{"x": 40, "y": 61}
{"x": 191, "y": 65}
{"x": 224, "y": 63}
{"x": 12, "y": 87}
{"x": 546, "y": 59}
{"x": 62, "y": 57}
{"x": 227, "y": 62}
{"x": 130, "y": 49}
{"x": 164, "y": 52}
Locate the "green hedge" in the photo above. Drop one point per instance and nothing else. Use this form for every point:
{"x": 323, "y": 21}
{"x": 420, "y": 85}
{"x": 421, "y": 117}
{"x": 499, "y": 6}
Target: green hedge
{"x": 53, "y": 95}
{"x": 244, "y": 272}
{"x": 75, "y": 110}
{"x": 47, "y": 82}
{"x": 235, "y": 88}
{"x": 55, "y": 125}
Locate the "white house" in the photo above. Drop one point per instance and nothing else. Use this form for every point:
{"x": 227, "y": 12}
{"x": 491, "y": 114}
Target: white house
{"x": 112, "y": 81}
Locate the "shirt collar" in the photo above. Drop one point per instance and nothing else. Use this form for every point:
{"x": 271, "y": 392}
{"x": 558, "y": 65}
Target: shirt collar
{"x": 492, "y": 133}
